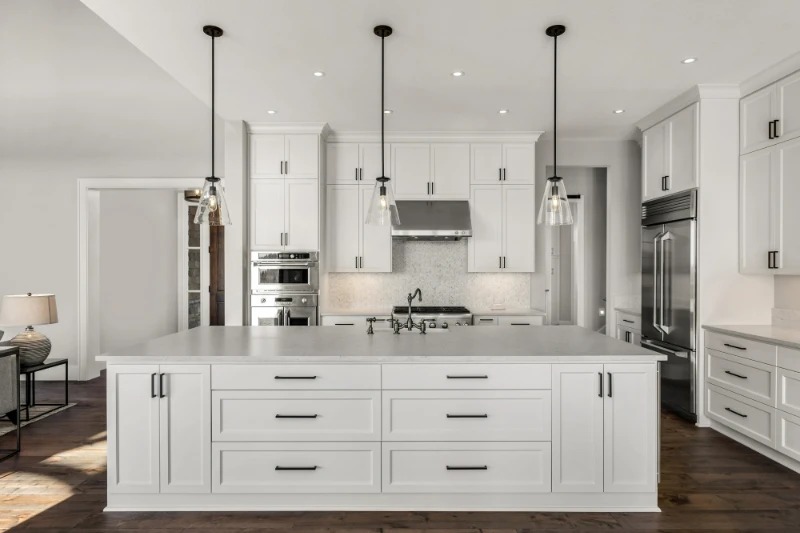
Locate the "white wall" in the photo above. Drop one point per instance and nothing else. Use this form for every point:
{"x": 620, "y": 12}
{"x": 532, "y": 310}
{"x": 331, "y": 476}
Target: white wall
{"x": 138, "y": 266}
{"x": 787, "y": 292}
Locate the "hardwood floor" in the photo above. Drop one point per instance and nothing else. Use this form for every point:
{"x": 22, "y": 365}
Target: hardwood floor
{"x": 708, "y": 483}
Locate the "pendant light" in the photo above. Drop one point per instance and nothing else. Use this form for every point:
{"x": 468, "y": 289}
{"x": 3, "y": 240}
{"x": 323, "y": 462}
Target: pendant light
{"x": 212, "y": 209}
{"x": 382, "y": 207}
{"x": 554, "y": 210}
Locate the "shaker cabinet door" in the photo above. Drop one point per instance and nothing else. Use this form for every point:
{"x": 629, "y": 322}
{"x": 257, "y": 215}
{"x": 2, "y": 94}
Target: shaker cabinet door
{"x": 788, "y": 104}
{"x": 450, "y": 163}
{"x": 411, "y": 170}
{"x": 267, "y": 214}
{"x": 344, "y": 222}
{"x": 653, "y": 170}
{"x": 786, "y": 194}
{"x": 376, "y": 241}
{"x": 342, "y": 163}
{"x": 487, "y": 163}
{"x": 519, "y": 228}
{"x": 302, "y": 214}
{"x": 302, "y": 156}
{"x": 682, "y": 151}
{"x": 756, "y": 111}
{"x": 755, "y": 212}
{"x": 485, "y": 247}
{"x": 519, "y": 163}
{"x": 266, "y": 156}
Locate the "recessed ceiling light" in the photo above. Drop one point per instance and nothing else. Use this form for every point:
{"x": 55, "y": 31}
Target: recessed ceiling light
{"x": 458, "y": 73}
{"x": 271, "y": 112}
{"x": 689, "y": 60}
{"x": 387, "y": 111}
{"x": 618, "y": 111}
{"x": 319, "y": 74}
{"x": 503, "y": 111}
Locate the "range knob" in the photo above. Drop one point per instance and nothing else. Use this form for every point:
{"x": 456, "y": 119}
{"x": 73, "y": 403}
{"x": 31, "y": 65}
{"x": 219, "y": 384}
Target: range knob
{"x": 263, "y": 300}
{"x": 291, "y": 256}
{"x": 304, "y": 300}
{"x": 432, "y": 325}
{"x": 444, "y": 325}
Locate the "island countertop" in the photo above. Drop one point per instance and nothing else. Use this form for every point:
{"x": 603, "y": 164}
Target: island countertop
{"x": 243, "y": 344}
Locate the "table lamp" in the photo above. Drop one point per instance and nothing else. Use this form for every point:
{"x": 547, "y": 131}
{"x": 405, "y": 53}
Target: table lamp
{"x": 29, "y": 310}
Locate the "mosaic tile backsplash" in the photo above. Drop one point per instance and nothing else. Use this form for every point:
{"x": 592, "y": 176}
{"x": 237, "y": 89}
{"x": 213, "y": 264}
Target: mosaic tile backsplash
{"x": 440, "y": 270}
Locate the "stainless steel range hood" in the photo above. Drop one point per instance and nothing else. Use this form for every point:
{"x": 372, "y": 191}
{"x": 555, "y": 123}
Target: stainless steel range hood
{"x": 441, "y": 220}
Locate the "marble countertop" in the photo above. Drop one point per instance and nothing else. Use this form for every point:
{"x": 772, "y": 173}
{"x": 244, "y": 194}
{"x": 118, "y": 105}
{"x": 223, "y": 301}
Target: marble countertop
{"x": 242, "y": 344}
{"x": 766, "y": 333}
{"x": 629, "y": 311}
{"x": 522, "y": 311}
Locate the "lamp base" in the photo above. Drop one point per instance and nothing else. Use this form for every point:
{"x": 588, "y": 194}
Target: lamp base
{"x": 34, "y": 347}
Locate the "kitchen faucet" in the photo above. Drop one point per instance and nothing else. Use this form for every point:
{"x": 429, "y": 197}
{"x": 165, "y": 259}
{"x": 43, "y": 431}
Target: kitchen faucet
{"x": 410, "y": 325}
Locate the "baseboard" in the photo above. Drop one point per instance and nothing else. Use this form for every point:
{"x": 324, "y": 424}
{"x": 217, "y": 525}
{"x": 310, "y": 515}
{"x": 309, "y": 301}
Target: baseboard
{"x": 764, "y": 450}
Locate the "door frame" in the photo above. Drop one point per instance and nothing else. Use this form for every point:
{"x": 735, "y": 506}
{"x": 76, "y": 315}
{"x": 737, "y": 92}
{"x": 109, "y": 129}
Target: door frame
{"x": 183, "y": 275}
{"x": 578, "y": 264}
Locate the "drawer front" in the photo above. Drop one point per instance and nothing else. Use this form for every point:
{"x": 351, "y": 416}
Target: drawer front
{"x": 789, "y": 358}
{"x": 466, "y": 376}
{"x": 295, "y": 377}
{"x": 744, "y": 376}
{"x": 295, "y": 416}
{"x": 789, "y": 391}
{"x": 787, "y": 441}
{"x": 384, "y": 321}
{"x": 757, "y": 351}
{"x": 520, "y": 320}
{"x": 629, "y": 321}
{"x": 484, "y": 320}
{"x": 297, "y": 467}
{"x": 466, "y": 416}
{"x": 746, "y": 416}
{"x": 481, "y": 467}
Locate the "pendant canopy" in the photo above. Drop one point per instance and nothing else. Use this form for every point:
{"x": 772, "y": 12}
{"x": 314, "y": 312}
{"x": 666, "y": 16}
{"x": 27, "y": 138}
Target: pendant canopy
{"x": 212, "y": 208}
{"x": 554, "y": 209}
{"x": 382, "y": 206}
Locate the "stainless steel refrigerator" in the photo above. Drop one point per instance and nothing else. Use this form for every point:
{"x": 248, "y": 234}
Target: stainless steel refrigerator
{"x": 669, "y": 295}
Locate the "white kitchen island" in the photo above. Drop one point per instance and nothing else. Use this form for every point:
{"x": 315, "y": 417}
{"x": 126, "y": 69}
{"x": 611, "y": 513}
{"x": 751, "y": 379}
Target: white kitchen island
{"x": 504, "y": 418}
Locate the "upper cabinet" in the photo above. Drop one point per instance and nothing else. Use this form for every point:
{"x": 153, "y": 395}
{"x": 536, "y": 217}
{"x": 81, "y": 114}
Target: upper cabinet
{"x": 284, "y": 156}
{"x": 356, "y": 163}
{"x": 509, "y": 163}
{"x": 450, "y": 171}
{"x": 411, "y": 170}
{"x": 354, "y": 246}
{"x": 669, "y": 155}
{"x": 770, "y": 115}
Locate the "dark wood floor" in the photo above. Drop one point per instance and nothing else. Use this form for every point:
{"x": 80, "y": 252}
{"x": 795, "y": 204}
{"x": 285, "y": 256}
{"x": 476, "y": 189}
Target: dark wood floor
{"x": 709, "y": 483}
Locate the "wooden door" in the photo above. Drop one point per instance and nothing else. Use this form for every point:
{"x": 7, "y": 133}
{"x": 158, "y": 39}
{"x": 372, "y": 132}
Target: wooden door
{"x": 376, "y": 241}
{"x": 343, "y": 227}
{"x": 216, "y": 287}
{"x": 342, "y": 163}
{"x": 756, "y": 111}
{"x": 411, "y": 170}
{"x": 302, "y": 214}
{"x": 653, "y": 170}
{"x": 487, "y": 163}
{"x": 519, "y": 228}
{"x": 755, "y": 211}
{"x": 485, "y": 247}
{"x": 302, "y": 157}
{"x": 682, "y": 150}
{"x": 786, "y": 196}
{"x": 266, "y": 156}
{"x": 450, "y": 162}
{"x": 267, "y": 214}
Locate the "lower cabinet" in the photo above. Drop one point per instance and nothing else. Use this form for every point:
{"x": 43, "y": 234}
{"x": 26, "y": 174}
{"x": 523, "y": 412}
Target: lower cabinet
{"x": 159, "y": 429}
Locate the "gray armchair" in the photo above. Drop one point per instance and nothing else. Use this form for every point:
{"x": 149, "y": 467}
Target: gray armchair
{"x": 9, "y": 391}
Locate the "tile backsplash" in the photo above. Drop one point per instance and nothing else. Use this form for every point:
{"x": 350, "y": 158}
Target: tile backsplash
{"x": 439, "y": 269}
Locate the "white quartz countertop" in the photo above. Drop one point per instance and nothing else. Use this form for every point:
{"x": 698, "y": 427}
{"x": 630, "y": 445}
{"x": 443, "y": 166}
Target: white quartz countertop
{"x": 766, "y": 333}
{"x": 243, "y": 344}
{"x": 522, "y": 311}
{"x": 357, "y": 311}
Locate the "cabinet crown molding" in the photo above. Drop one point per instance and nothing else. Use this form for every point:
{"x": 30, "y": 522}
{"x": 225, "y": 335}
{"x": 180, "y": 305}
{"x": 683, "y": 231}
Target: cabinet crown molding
{"x": 695, "y": 94}
{"x": 770, "y": 75}
{"x": 319, "y": 128}
{"x": 435, "y": 136}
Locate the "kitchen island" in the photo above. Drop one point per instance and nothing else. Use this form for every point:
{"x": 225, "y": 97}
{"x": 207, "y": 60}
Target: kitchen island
{"x": 504, "y": 418}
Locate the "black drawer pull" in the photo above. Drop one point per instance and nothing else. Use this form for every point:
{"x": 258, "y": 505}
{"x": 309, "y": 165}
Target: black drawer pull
{"x": 467, "y": 416}
{"x": 295, "y": 377}
{"x": 152, "y": 385}
{"x": 343, "y": 324}
{"x": 735, "y": 375}
{"x": 486, "y": 319}
{"x": 284, "y": 468}
{"x": 467, "y": 467}
{"x": 467, "y": 377}
{"x": 734, "y": 346}
{"x": 296, "y": 416}
{"x": 600, "y": 393}
{"x": 628, "y": 321}
{"x": 520, "y": 323}
{"x": 734, "y": 412}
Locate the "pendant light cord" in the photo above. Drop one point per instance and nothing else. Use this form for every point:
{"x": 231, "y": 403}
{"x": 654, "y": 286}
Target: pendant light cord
{"x": 383, "y": 108}
{"x": 555, "y": 106}
{"x": 213, "y": 151}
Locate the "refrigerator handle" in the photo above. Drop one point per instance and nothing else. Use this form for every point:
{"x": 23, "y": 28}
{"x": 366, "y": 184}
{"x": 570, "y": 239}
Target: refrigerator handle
{"x": 665, "y": 269}
{"x": 657, "y": 278}
{"x": 280, "y": 317}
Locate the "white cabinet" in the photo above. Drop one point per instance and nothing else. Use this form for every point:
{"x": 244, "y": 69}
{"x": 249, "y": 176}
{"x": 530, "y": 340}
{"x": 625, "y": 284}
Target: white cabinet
{"x": 438, "y": 171}
{"x": 503, "y": 229}
{"x": 411, "y": 170}
{"x": 629, "y": 335}
{"x": 159, "y": 436}
{"x": 770, "y": 115}
{"x": 284, "y": 156}
{"x": 284, "y": 214}
{"x": 356, "y": 163}
{"x": 354, "y": 246}
{"x": 788, "y": 112}
{"x": 450, "y": 163}
{"x": 511, "y": 163}
{"x": 629, "y": 327}
{"x": 520, "y": 320}
{"x": 669, "y": 160}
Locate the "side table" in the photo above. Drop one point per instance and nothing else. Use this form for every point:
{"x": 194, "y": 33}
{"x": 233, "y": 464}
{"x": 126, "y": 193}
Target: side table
{"x": 30, "y": 387}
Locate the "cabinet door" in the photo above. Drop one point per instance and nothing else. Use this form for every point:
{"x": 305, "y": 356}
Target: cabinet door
{"x": 487, "y": 163}
{"x": 755, "y": 113}
{"x": 788, "y": 104}
{"x": 133, "y": 409}
{"x": 519, "y": 163}
{"x": 267, "y": 214}
{"x": 630, "y": 428}
{"x": 344, "y": 223}
{"x": 653, "y": 162}
{"x": 411, "y": 170}
{"x": 302, "y": 156}
{"x": 486, "y": 244}
{"x": 519, "y": 228}
{"x": 370, "y": 163}
{"x": 755, "y": 212}
{"x": 682, "y": 151}
{"x": 342, "y": 163}
{"x": 376, "y": 241}
{"x": 450, "y": 171}
{"x": 786, "y": 195}
{"x": 266, "y": 156}
{"x": 302, "y": 214}
{"x": 578, "y": 428}
{"x": 185, "y": 402}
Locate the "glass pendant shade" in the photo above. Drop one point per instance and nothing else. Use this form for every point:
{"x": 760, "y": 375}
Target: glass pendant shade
{"x": 213, "y": 209}
{"x": 554, "y": 210}
{"x": 382, "y": 207}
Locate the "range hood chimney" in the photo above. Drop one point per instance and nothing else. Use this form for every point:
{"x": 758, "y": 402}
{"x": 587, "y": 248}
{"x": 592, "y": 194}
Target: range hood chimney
{"x": 441, "y": 220}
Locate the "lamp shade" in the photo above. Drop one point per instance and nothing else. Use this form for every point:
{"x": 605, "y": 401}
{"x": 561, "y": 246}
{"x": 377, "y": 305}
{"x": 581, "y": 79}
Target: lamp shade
{"x": 28, "y": 310}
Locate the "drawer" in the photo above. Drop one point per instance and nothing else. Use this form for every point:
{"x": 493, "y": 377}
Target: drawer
{"x": 466, "y": 376}
{"x": 787, "y": 440}
{"x": 520, "y": 320}
{"x": 480, "y": 467}
{"x": 296, "y": 467}
{"x": 746, "y": 416}
{"x": 466, "y": 415}
{"x": 789, "y": 391}
{"x": 789, "y": 358}
{"x": 295, "y": 377}
{"x": 295, "y": 415}
{"x": 743, "y": 376}
{"x": 629, "y": 321}
{"x": 478, "y": 320}
{"x": 757, "y": 351}
{"x": 384, "y": 321}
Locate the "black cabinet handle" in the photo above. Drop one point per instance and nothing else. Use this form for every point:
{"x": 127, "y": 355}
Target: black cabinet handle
{"x": 295, "y": 377}
{"x": 152, "y": 385}
{"x": 600, "y": 376}
{"x": 467, "y": 416}
{"x": 610, "y": 384}
{"x": 734, "y": 346}
{"x": 775, "y": 128}
{"x": 356, "y": 169}
{"x": 296, "y": 416}
{"x": 433, "y": 183}
{"x": 628, "y": 321}
{"x": 285, "y": 167}
{"x": 286, "y": 468}
{"x": 161, "y": 386}
{"x": 337, "y": 324}
{"x": 486, "y": 319}
{"x": 504, "y": 261}
{"x": 500, "y": 262}
{"x": 504, "y": 173}
{"x": 360, "y": 261}
{"x": 467, "y": 377}
{"x": 499, "y": 174}
{"x": 769, "y": 129}
{"x": 734, "y": 412}
{"x": 467, "y": 467}
{"x": 735, "y": 374}
{"x": 520, "y": 324}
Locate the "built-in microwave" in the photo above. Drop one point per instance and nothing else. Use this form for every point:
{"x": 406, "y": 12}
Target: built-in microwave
{"x": 295, "y": 272}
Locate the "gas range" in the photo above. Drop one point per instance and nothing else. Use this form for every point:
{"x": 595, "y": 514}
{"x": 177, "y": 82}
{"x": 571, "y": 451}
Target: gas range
{"x": 435, "y": 316}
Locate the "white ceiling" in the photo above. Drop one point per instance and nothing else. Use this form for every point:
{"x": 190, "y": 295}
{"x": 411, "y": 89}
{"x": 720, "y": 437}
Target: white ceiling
{"x": 615, "y": 54}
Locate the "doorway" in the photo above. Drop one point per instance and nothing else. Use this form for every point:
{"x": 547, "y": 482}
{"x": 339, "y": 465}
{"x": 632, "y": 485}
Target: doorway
{"x": 567, "y": 268}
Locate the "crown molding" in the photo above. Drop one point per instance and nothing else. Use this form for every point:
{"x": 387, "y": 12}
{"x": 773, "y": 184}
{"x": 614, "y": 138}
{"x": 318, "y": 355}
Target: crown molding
{"x": 435, "y": 136}
{"x": 687, "y": 98}
{"x": 770, "y": 75}
{"x": 318, "y": 128}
